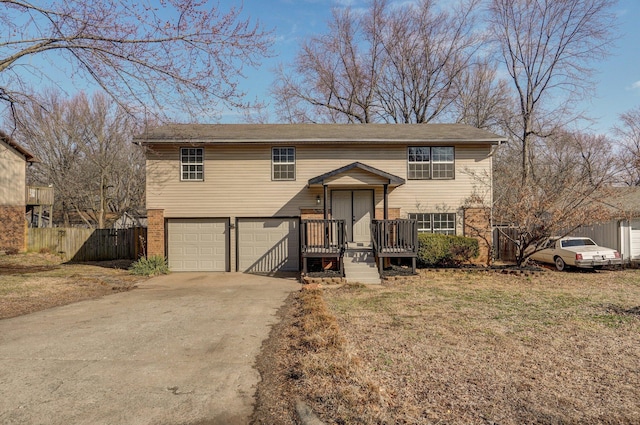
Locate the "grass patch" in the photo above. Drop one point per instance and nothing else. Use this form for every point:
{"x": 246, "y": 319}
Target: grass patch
{"x": 464, "y": 348}
{"x": 33, "y": 282}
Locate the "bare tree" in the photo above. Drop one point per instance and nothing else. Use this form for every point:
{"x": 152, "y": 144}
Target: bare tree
{"x": 571, "y": 187}
{"x": 427, "y": 48}
{"x": 87, "y": 154}
{"x": 174, "y": 55}
{"x": 548, "y": 47}
{"x": 628, "y": 158}
{"x": 483, "y": 100}
{"x": 335, "y": 75}
{"x": 390, "y": 63}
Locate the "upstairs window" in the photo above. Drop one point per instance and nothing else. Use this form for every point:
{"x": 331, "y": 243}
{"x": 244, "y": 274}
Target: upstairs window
{"x": 442, "y": 163}
{"x": 424, "y": 163}
{"x": 444, "y": 223}
{"x": 419, "y": 163}
{"x": 192, "y": 164}
{"x": 283, "y": 163}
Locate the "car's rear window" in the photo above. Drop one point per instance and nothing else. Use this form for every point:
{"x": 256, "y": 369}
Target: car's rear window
{"x": 577, "y": 242}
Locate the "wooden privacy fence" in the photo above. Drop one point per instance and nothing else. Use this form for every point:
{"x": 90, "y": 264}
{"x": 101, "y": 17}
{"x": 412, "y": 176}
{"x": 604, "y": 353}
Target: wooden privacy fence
{"x": 76, "y": 244}
{"x": 503, "y": 247}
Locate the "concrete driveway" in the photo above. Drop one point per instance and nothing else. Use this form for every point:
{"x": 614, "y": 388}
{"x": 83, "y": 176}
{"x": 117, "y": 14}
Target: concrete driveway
{"x": 178, "y": 350}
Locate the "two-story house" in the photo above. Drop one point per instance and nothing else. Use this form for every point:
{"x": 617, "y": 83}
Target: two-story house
{"x": 269, "y": 197}
{"x": 13, "y": 162}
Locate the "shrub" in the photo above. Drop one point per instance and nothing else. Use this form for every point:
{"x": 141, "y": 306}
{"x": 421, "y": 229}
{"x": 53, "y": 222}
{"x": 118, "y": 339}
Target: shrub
{"x": 445, "y": 250}
{"x": 150, "y": 266}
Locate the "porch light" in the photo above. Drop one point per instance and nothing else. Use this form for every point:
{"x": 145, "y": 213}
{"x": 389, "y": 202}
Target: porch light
{"x": 317, "y": 199}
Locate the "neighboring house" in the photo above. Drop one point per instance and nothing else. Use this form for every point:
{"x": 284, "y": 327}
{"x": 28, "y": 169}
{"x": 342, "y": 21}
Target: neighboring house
{"x": 130, "y": 219}
{"x": 266, "y": 198}
{"x": 13, "y": 168}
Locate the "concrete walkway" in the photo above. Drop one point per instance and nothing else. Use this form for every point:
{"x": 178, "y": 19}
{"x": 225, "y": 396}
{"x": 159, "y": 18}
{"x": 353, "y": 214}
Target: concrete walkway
{"x": 178, "y": 350}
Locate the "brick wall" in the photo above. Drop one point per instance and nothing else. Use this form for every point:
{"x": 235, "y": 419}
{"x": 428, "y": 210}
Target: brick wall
{"x": 394, "y": 213}
{"x": 312, "y": 214}
{"x": 155, "y": 233}
{"x": 477, "y": 225}
{"x": 12, "y": 228}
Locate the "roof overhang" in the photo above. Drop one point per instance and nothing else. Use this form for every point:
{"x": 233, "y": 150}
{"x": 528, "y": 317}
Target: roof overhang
{"x": 357, "y": 173}
{"x": 28, "y": 156}
{"x": 318, "y": 134}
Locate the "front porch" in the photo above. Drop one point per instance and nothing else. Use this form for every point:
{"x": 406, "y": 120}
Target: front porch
{"x": 349, "y": 223}
{"x": 389, "y": 239}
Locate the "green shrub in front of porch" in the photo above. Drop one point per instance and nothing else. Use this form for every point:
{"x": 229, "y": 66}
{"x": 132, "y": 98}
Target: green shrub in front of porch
{"x": 445, "y": 250}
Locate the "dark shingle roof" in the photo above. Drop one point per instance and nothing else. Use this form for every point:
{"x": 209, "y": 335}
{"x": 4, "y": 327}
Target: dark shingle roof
{"x": 317, "y": 133}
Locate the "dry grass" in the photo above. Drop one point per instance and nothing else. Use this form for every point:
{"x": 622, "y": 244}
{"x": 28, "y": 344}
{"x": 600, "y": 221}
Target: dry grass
{"x": 466, "y": 348}
{"x": 306, "y": 358}
{"x": 33, "y": 282}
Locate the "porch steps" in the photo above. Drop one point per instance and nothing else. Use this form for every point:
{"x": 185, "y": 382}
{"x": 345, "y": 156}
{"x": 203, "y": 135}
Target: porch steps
{"x": 360, "y": 266}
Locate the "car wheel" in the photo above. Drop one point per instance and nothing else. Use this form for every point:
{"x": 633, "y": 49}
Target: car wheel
{"x": 560, "y": 265}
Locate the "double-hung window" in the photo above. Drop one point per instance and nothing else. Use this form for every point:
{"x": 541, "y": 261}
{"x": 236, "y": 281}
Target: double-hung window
{"x": 444, "y": 223}
{"x": 283, "y": 163}
{"x": 424, "y": 162}
{"x": 192, "y": 164}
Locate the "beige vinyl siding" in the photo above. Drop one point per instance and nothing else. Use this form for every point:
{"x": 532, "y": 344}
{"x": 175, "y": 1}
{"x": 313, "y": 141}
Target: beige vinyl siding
{"x": 12, "y": 176}
{"x": 237, "y": 181}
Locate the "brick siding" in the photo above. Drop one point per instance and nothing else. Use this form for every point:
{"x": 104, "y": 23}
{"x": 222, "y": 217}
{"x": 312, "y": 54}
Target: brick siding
{"x": 12, "y": 228}
{"x": 477, "y": 225}
{"x": 155, "y": 233}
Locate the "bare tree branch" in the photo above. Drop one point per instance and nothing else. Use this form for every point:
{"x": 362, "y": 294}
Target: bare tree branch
{"x": 548, "y": 47}
{"x": 177, "y": 55}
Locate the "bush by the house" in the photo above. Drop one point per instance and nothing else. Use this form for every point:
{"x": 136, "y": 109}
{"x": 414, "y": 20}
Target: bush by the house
{"x": 150, "y": 266}
{"x": 445, "y": 250}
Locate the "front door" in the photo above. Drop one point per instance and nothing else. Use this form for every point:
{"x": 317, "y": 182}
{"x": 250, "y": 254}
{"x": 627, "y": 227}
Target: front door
{"x": 355, "y": 207}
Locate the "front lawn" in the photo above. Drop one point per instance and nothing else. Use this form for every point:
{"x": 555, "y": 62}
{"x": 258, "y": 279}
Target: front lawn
{"x": 33, "y": 282}
{"x": 469, "y": 348}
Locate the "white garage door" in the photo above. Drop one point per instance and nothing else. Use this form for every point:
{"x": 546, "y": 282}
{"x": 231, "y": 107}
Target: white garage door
{"x": 268, "y": 245}
{"x": 197, "y": 244}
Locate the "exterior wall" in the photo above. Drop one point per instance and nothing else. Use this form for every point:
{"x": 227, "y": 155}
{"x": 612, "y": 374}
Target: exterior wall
{"x": 12, "y": 199}
{"x": 238, "y": 181}
{"x": 477, "y": 224}
{"x": 12, "y": 177}
{"x": 393, "y": 213}
{"x": 155, "y": 233}
{"x": 311, "y": 214}
{"x": 12, "y": 228}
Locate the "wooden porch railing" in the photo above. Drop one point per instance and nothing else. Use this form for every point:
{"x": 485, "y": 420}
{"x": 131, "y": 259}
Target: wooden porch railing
{"x": 38, "y": 195}
{"x": 322, "y": 238}
{"x": 395, "y": 238}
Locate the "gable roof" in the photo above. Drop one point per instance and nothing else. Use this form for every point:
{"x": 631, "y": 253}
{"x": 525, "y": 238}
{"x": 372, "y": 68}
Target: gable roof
{"x": 318, "y": 134}
{"x": 393, "y": 180}
{"x": 22, "y": 151}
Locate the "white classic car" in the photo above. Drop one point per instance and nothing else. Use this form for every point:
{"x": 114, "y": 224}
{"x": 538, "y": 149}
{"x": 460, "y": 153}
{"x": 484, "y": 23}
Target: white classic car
{"x": 576, "y": 252}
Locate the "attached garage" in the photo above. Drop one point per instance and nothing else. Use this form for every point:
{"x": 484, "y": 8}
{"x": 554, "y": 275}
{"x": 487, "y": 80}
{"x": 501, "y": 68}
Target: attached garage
{"x": 198, "y": 244}
{"x": 267, "y": 245}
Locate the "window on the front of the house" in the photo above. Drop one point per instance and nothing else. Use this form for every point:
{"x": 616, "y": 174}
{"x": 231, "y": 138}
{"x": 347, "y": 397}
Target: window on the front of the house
{"x": 442, "y": 163}
{"x": 444, "y": 223}
{"x": 283, "y": 163}
{"x": 424, "y": 163}
{"x": 191, "y": 164}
